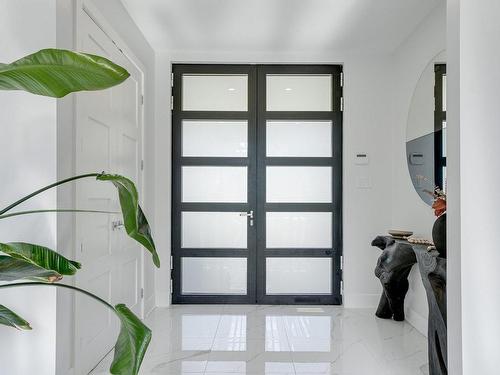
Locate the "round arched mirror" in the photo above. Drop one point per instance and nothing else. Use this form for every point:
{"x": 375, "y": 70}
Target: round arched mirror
{"x": 426, "y": 130}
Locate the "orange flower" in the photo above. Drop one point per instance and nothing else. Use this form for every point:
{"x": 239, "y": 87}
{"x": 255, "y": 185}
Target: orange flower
{"x": 439, "y": 206}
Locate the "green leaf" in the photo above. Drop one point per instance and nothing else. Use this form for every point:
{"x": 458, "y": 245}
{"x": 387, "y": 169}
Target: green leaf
{"x": 11, "y": 319}
{"x": 56, "y": 73}
{"x": 132, "y": 343}
{"x": 40, "y": 256}
{"x": 134, "y": 337}
{"x": 136, "y": 224}
{"x": 15, "y": 269}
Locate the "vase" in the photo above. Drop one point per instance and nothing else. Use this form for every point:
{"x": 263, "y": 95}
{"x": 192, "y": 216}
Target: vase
{"x": 439, "y": 235}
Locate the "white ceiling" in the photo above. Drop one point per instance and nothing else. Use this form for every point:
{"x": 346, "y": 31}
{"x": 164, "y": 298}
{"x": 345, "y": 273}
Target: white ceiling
{"x": 278, "y": 25}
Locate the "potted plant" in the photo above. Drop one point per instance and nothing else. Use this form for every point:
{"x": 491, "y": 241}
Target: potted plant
{"x": 56, "y": 73}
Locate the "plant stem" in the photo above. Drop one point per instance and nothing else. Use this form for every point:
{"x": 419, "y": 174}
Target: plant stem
{"x": 8, "y": 208}
{"x": 56, "y": 210}
{"x": 37, "y": 283}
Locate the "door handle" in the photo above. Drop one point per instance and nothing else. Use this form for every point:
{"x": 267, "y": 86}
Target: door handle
{"x": 118, "y": 224}
{"x": 249, "y": 215}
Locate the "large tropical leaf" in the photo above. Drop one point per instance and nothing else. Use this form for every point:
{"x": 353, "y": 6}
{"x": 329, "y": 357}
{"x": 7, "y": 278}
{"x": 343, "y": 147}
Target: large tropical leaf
{"x": 40, "y": 256}
{"x": 11, "y": 319}
{"x": 135, "y": 221}
{"x": 56, "y": 73}
{"x": 132, "y": 343}
{"x": 12, "y": 269}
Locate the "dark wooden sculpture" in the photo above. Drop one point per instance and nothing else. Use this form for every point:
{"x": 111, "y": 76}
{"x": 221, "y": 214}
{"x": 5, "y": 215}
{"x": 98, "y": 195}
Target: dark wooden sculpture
{"x": 433, "y": 271}
{"x": 393, "y": 268}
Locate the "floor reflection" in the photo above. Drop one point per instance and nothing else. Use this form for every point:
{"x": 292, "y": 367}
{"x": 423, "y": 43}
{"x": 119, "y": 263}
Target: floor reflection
{"x": 275, "y": 340}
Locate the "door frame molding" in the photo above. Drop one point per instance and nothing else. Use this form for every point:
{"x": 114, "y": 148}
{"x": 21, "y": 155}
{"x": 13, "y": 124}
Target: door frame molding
{"x": 87, "y": 8}
{"x": 66, "y": 165}
{"x": 258, "y": 277}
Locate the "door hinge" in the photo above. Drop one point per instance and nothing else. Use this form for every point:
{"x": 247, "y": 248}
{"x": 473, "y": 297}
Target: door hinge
{"x": 342, "y": 104}
{"x": 171, "y": 79}
{"x": 341, "y": 262}
{"x": 142, "y": 292}
{"x": 341, "y": 288}
{"x": 171, "y": 262}
{"x": 81, "y": 248}
{"x": 435, "y": 108}
{"x": 142, "y": 99}
{"x": 142, "y": 165}
{"x": 171, "y": 103}
{"x": 171, "y": 286}
{"x": 341, "y": 79}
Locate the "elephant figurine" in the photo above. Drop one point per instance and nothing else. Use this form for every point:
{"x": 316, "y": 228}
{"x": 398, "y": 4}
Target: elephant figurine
{"x": 393, "y": 268}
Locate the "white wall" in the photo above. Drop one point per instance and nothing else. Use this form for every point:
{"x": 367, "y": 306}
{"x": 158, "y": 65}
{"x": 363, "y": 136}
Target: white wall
{"x": 453, "y": 223}
{"x": 409, "y": 211}
{"x": 28, "y": 149}
{"x": 163, "y": 159}
{"x": 366, "y": 211}
{"x": 478, "y": 61}
{"x": 65, "y": 198}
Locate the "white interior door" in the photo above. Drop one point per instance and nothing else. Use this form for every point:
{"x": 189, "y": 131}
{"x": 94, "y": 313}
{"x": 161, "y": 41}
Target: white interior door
{"x": 108, "y": 138}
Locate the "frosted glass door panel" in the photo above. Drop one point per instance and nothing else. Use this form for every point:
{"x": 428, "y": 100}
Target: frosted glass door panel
{"x": 299, "y": 92}
{"x": 204, "y": 138}
{"x": 298, "y": 276}
{"x": 298, "y": 230}
{"x": 299, "y": 184}
{"x": 214, "y": 184}
{"x": 213, "y": 230}
{"x": 217, "y": 92}
{"x": 214, "y": 275}
{"x": 299, "y": 138}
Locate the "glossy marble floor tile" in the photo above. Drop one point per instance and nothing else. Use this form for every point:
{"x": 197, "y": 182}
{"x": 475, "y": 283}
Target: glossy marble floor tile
{"x": 272, "y": 340}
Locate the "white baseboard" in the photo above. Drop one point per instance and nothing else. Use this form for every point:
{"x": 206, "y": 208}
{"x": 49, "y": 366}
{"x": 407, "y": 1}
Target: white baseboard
{"x": 361, "y": 301}
{"x": 162, "y": 306}
{"x": 149, "y": 305}
{"x": 69, "y": 371}
{"x": 162, "y": 299}
{"x": 417, "y": 320}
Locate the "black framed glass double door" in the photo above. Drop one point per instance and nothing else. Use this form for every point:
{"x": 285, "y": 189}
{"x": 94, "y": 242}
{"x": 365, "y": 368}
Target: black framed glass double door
{"x": 257, "y": 184}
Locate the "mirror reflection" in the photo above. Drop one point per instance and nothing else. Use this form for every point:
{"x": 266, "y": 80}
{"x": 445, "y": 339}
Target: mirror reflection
{"x": 426, "y": 130}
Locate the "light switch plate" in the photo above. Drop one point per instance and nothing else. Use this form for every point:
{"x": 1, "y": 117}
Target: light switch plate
{"x": 364, "y": 182}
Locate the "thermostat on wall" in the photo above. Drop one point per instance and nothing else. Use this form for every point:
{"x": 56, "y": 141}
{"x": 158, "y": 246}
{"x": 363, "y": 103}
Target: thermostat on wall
{"x": 361, "y": 158}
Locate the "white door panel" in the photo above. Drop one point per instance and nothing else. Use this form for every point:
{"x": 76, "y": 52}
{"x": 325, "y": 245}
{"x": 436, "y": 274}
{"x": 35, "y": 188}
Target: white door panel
{"x": 108, "y": 138}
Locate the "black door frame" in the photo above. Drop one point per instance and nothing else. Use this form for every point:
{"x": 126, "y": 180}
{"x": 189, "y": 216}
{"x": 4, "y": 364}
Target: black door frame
{"x": 178, "y": 115}
{"x": 439, "y": 118}
{"x": 335, "y": 115}
{"x": 256, "y": 162}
